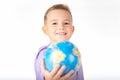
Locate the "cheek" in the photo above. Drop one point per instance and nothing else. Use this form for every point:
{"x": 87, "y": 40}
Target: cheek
{"x": 51, "y": 31}
{"x": 71, "y": 30}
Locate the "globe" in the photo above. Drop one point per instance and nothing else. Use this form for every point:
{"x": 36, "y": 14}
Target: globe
{"x": 63, "y": 53}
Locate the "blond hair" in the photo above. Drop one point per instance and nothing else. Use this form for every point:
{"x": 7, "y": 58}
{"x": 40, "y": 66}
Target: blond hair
{"x": 57, "y": 6}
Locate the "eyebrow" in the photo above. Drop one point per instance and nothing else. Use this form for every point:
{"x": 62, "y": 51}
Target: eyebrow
{"x": 53, "y": 20}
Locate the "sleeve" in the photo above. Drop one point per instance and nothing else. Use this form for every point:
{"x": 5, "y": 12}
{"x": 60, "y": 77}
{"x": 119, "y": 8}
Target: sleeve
{"x": 37, "y": 64}
{"x": 80, "y": 75}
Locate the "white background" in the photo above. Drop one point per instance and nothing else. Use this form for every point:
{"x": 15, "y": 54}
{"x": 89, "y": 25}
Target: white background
{"x": 97, "y": 34}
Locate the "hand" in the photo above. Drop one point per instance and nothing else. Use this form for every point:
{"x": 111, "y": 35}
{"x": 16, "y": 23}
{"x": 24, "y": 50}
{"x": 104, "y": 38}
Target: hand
{"x": 56, "y": 73}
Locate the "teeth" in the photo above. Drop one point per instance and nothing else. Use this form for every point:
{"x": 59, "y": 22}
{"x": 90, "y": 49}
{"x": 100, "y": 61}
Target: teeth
{"x": 61, "y": 33}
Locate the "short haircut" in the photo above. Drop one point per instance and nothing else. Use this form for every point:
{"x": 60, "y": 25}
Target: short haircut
{"x": 57, "y": 6}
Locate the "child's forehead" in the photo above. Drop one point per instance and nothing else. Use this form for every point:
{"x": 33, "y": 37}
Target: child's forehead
{"x": 57, "y": 11}
{"x": 58, "y": 14}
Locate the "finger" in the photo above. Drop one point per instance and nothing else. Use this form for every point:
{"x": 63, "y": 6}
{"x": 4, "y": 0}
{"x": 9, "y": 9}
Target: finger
{"x": 59, "y": 73}
{"x": 43, "y": 69}
{"x": 73, "y": 75}
{"x": 68, "y": 75}
{"x": 55, "y": 69}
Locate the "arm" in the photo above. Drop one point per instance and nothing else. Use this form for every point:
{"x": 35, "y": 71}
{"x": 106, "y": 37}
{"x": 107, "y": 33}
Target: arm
{"x": 38, "y": 73}
{"x": 37, "y": 63}
{"x": 79, "y": 74}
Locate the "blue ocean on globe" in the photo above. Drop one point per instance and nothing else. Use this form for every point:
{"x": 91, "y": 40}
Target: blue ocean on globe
{"x": 63, "y": 53}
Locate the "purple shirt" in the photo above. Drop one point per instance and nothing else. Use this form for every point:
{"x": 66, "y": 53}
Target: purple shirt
{"x": 40, "y": 76}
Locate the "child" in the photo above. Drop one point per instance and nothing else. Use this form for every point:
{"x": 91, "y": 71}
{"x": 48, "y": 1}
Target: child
{"x": 58, "y": 27}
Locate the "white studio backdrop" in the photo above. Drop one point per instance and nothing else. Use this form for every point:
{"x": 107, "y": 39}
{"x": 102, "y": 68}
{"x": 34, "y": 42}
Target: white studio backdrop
{"x": 97, "y": 34}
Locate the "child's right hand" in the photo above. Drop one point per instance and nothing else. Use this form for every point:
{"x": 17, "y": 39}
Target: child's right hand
{"x": 56, "y": 73}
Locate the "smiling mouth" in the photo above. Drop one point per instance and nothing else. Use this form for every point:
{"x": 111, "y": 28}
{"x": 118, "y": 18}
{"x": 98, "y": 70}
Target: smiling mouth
{"x": 61, "y": 33}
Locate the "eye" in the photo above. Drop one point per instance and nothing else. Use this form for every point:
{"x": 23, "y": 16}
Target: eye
{"x": 54, "y": 23}
{"x": 66, "y": 23}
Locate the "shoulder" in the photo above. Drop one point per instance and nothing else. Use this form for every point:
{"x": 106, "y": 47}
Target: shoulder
{"x": 41, "y": 50}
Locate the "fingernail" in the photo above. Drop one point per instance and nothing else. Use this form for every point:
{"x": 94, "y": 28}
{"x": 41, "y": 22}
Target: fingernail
{"x": 72, "y": 71}
{"x": 64, "y": 66}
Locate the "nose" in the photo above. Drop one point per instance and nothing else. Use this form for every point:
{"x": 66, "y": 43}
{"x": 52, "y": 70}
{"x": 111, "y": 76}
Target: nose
{"x": 61, "y": 27}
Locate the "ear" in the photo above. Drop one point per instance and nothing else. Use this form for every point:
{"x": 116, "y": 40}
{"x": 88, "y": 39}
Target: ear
{"x": 44, "y": 28}
{"x": 73, "y": 29}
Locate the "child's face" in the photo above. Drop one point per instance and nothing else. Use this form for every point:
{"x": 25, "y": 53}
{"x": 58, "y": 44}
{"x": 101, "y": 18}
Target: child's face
{"x": 58, "y": 25}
